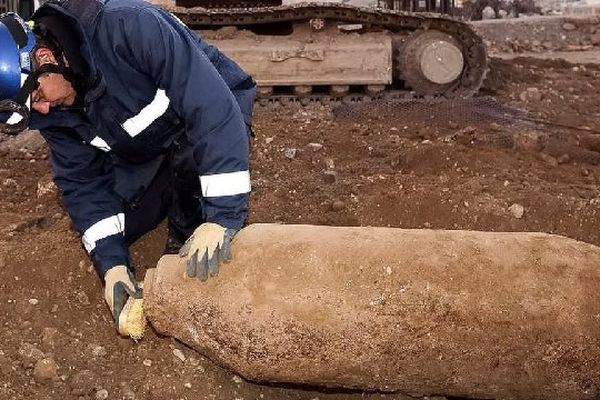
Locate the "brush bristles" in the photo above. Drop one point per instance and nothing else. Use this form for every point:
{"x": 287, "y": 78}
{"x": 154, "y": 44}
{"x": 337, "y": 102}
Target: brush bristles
{"x": 132, "y": 321}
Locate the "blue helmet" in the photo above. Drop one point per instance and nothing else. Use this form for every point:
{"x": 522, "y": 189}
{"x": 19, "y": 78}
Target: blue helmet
{"x": 16, "y": 44}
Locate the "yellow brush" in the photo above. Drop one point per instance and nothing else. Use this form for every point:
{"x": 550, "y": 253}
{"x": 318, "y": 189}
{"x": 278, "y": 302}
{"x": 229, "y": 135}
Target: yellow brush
{"x": 132, "y": 321}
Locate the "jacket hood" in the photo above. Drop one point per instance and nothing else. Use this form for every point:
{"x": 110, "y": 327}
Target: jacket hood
{"x": 82, "y": 15}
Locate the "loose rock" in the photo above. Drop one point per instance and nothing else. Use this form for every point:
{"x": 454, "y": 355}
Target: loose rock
{"x": 534, "y": 94}
{"x": 585, "y": 172}
{"x": 29, "y": 355}
{"x": 83, "y": 298}
{"x": 496, "y": 127}
{"x": 102, "y": 394}
{"x": 517, "y": 210}
{"x": 528, "y": 141}
{"x": 9, "y": 182}
{"x": 45, "y": 369}
{"x": 126, "y": 392}
{"x": 568, "y": 26}
{"x": 49, "y": 338}
{"x": 488, "y": 13}
{"x": 330, "y": 177}
{"x": 290, "y": 152}
{"x": 547, "y": 45}
{"x": 338, "y": 205}
{"x": 531, "y": 94}
{"x": 179, "y": 354}
{"x": 315, "y": 146}
{"x": 395, "y": 138}
{"x": 551, "y": 161}
{"x": 564, "y": 159}
{"x": 46, "y": 186}
{"x": 98, "y": 351}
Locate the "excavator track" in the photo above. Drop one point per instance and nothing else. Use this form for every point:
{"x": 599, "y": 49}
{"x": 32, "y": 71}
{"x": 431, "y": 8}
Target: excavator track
{"x": 396, "y": 22}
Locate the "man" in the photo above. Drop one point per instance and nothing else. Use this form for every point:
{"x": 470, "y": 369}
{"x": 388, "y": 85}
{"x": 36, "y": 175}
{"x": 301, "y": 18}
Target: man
{"x": 143, "y": 119}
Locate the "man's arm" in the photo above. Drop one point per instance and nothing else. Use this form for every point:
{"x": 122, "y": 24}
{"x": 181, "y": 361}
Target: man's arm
{"x": 162, "y": 48}
{"x": 84, "y": 175}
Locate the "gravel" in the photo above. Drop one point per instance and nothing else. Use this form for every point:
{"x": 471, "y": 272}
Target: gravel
{"x": 29, "y": 355}
{"x": 82, "y": 383}
{"x": 49, "y": 338}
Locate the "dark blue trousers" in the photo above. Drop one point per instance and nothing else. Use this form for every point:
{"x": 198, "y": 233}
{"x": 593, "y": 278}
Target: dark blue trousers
{"x": 174, "y": 193}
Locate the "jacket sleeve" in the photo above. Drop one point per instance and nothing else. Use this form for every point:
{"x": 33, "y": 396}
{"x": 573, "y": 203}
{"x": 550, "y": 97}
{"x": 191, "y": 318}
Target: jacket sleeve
{"x": 161, "y": 47}
{"x": 84, "y": 176}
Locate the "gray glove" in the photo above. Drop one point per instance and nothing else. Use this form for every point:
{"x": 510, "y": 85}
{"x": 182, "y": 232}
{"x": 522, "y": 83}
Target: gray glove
{"x": 209, "y": 245}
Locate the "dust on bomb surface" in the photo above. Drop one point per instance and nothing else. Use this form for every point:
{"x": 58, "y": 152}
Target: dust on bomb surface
{"x": 369, "y": 171}
{"x": 359, "y": 307}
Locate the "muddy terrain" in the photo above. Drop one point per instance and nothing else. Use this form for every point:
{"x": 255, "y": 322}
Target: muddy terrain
{"x": 516, "y": 164}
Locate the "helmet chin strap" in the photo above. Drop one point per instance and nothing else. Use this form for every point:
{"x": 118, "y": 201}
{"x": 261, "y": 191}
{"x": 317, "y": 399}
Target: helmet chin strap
{"x": 15, "y": 110}
{"x": 17, "y": 107}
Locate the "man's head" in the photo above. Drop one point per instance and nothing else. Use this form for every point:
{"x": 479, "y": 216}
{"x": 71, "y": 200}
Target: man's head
{"x": 53, "y": 88}
{"x": 29, "y": 67}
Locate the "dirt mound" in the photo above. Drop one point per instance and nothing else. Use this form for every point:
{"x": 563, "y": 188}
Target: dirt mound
{"x": 308, "y": 166}
{"x": 540, "y": 34}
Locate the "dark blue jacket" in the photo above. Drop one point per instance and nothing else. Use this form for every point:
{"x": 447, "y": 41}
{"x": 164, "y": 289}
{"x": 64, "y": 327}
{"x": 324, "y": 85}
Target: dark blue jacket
{"x": 152, "y": 79}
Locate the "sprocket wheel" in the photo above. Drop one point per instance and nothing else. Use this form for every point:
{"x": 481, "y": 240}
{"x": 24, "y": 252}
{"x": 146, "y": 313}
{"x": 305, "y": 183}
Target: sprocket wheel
{"x": 430, "y": 62}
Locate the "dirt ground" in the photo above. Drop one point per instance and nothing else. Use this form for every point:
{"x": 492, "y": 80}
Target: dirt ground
{"x": 356, "y": 166}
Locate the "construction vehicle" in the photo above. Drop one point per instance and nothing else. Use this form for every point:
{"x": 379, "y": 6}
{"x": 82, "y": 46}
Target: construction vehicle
{"x": 335, "y": 52}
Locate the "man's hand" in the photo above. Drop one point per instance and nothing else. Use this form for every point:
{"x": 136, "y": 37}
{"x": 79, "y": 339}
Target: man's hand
{"x": 120, "y": 285}
{"x": 206, "y": 248}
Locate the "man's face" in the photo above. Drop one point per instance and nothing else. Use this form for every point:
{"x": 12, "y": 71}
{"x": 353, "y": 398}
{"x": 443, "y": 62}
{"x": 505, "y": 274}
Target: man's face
{"x": 53, "y": 90}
